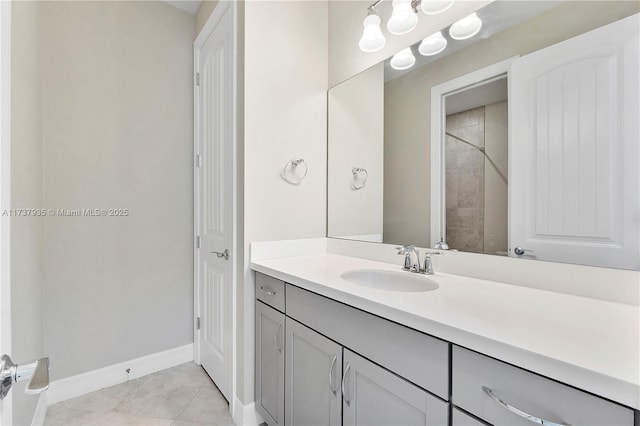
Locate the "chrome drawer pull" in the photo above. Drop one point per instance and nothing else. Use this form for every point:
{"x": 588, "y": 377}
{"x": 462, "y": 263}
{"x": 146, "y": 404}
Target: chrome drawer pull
{"x": 333, "y": 365}
{"x": 344, "y": 379}
{"x": 269, "y": 292}
{"x": 518, "y": 412}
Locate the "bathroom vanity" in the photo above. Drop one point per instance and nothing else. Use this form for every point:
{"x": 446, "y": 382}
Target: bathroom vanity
{"x": 333, "y": 350}
{"x": 510, "y": 147}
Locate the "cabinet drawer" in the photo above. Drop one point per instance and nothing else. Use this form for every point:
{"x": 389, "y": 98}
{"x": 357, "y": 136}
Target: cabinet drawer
{"x": 270, "y": 291}
{"x": 475, "y": 376}
{"x": 422, "y": 359}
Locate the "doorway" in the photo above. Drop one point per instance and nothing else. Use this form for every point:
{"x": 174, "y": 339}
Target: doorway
{"x": 469, "y": 177}
{"x": 476, "y": 168}
{"x": 214, "y": 198}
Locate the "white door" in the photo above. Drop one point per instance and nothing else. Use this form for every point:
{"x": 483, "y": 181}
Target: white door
{"x": 214, "y": 203}
{"x": 574, "y": 157}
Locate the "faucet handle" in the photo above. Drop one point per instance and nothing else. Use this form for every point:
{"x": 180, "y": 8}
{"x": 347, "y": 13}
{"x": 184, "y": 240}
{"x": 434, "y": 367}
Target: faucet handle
{"x": 428, "y": 264}
{"x": 408, "y": 265}
{"x": 405, "y": 249}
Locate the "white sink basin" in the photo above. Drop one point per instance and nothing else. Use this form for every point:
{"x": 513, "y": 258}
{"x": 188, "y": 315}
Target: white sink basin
{"x": 390, "y": 280}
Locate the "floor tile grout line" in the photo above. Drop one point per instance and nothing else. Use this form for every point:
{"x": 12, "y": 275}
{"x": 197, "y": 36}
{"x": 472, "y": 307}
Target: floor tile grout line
{"x": 189, "y": 403}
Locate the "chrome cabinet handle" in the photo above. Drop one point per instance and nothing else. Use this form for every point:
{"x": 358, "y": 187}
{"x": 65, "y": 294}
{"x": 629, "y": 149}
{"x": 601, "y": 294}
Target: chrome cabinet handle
{"x": 344, "y": 379}
{"x": 269, "y": 291}
{"x": 224, "y": 254}
{"x": 275, "y": 338}
{"x": 518, "y": 412}
{"x": 36, "y": 371}
{"x": 333, "y": 365}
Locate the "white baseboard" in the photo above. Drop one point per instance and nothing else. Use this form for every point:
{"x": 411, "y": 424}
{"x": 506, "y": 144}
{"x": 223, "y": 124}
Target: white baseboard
{"x": 41, "y": 410}
{"x": 245, "y": 415}
{"x": 91, "y": 381}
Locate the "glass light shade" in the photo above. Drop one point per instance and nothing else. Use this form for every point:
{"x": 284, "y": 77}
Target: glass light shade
{"x": 433, "y": 7}
{"x": 403, "y": 19}
{"x": 466, "y": 27}
{"x": 433, "y": 44}
{"x": 403, "y": 60}
{"x": 372, "y": 39}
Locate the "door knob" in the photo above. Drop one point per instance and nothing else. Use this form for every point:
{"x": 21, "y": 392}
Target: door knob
{"x": 224, "y": 254}
{"x": 519, "y": 250}
{"x": 36, "y": 371}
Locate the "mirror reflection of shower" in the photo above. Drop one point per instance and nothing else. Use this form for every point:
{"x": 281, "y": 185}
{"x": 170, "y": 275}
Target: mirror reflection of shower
{"x": 476, "y": 171}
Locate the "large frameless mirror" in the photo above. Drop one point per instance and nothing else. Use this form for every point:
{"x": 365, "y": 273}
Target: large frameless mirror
{"x": 506, "y": 143}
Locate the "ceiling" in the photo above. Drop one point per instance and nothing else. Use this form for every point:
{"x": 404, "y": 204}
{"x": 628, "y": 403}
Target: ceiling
{"x": 189, "y": 6}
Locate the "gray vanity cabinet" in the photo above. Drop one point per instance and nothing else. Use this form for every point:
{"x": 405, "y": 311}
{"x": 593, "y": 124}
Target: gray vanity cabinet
{"x": 270, "y": 364}
{"x": 321, "y": 362}
{"x": 313, "y": 367}
{"x": 375, "y": 396}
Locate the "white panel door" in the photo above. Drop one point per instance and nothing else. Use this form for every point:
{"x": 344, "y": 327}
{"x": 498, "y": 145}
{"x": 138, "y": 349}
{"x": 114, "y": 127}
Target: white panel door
{"x": 215, "y": 203}
{"x": 573, "y": 185}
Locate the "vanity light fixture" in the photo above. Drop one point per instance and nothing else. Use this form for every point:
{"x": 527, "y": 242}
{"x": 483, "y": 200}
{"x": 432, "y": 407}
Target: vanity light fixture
{"x": 466, "y": 27}
{"x": 404, "y": 17}
{"x": 433, "y": 44}
{"x": 403, "y": 60}
{"x": 433, "y": 7}
{"x": 372, "y": 39}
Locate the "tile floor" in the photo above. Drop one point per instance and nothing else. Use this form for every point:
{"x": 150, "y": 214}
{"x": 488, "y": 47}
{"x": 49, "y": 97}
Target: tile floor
{"x": 183, "y": 395}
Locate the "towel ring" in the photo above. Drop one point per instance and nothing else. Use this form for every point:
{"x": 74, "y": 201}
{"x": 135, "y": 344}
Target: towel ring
{"x": 288, "y": 171}
{"x": 360, "y": 176}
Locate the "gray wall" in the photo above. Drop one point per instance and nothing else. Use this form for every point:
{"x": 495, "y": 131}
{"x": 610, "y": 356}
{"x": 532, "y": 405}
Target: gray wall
{"x": 407, "y": 103}
{"x": 26, "y": 192}
{"x": 117, "y": 133}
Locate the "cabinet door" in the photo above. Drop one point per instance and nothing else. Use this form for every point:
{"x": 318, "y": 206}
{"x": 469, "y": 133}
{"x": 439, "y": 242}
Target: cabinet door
{"x": 463, "y": 419}
{"x": 313, "y": 366}
{"x": 270, "y": 364}
{"x": 374, "y": 396}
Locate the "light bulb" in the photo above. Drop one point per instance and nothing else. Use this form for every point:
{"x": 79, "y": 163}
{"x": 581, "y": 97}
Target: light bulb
{"x": 372, "y": 39}
{"x": 403, "y": 19}
{"x": 403, "y": 60}
{"x": 466, "y": 27}
{"x": 433, "y": 44}
{"x": 433, "y": 7}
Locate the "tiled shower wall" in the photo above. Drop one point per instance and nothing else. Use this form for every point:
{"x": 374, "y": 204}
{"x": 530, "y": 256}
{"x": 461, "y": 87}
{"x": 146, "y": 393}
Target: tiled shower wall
{"x": 476, "y": 184}
{"x": 464, "y": 175}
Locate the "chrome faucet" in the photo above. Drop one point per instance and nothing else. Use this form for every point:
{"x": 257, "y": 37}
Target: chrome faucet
{"x": 410, "y": 265}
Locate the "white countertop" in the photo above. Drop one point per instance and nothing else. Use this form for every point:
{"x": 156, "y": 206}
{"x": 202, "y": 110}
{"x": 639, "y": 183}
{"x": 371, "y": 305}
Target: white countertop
{"x": 584, "y": 342}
